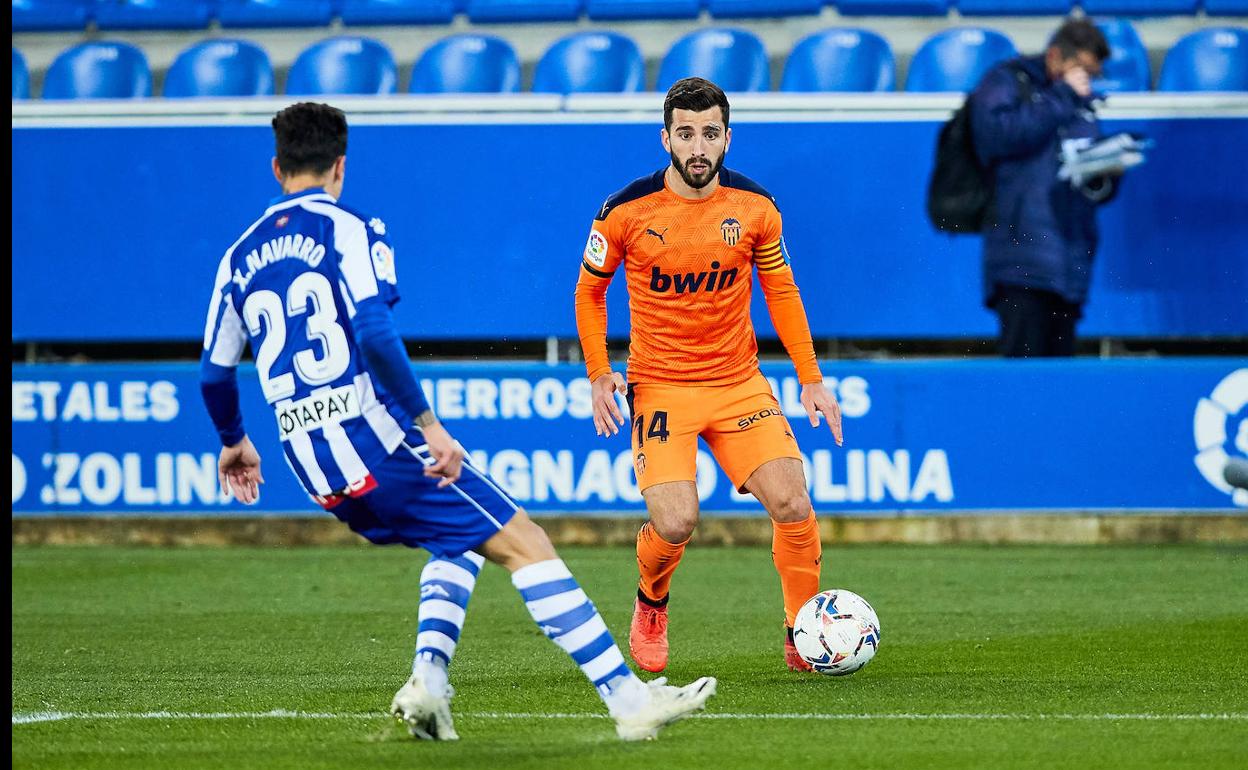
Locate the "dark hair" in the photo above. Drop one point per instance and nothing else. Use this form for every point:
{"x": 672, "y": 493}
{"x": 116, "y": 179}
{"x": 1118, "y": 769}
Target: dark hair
{"x": 1080, "y": 35}
{"x": 310, "y": 137}
{"x": 694, "y": 94}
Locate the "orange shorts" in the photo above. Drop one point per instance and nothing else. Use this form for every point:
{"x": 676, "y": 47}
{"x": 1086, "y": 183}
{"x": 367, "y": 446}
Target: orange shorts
{"x": 741, "y": 424}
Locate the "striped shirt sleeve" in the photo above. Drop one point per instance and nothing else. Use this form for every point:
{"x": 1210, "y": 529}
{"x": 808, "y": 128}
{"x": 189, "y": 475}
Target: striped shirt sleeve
{"x": 224, "y": 334}
{"x": 366, "y": 259}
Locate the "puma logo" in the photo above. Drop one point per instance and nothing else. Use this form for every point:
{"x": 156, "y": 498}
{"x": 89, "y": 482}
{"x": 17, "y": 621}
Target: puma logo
{"x": 658, "y": 235}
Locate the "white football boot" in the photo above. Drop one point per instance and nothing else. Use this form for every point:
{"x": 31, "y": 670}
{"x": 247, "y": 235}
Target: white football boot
{"x": 667, "y": 704}
{"x": 427, "y": 716}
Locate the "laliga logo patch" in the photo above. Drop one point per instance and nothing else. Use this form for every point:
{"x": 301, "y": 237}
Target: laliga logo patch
{"x": 1221, "y": 421}
{"x": 596, "y": 249}
{"x": 383, "y": 262}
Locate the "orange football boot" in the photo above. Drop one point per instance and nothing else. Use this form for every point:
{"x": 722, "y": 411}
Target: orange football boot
{"x": 792, "y": 658}
{"x": 647, "y": 638}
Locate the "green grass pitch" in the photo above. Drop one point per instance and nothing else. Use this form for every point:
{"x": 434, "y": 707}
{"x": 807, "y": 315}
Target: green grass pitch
{"x": 992, "y": 657}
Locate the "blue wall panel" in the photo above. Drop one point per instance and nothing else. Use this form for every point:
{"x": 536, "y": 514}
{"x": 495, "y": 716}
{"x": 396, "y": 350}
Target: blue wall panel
{"x": 918, "y": 436}
{"x": 118, "y": 230}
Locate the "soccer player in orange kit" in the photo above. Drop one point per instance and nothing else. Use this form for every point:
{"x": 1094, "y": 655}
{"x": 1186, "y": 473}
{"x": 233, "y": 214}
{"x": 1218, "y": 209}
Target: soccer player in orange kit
{"x": 689, "y": 237}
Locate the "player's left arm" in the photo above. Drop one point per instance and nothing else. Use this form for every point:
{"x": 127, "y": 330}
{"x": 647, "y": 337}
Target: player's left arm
{"x": 238, "y": 465}
{"x": 788, "y": 316}
{"x": 371, "y": 282}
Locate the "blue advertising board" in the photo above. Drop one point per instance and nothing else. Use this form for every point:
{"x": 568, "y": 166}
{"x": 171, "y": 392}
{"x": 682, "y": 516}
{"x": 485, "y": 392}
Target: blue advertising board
{"x": 503, "y": 211}
{"x": 919, "y": 436}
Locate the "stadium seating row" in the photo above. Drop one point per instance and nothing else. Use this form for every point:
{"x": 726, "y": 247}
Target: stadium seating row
{"x": 838, "y": 59}
{"x": 30, "y": 15}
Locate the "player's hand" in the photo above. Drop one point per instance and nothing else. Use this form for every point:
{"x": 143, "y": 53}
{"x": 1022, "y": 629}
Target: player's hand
{"x": 607, "y": 416}
{"x": 448, "y": 455}
{"x": 819, "y": 400}
{"x": 238, "y": 470}
{"x": 1079, "y": 80}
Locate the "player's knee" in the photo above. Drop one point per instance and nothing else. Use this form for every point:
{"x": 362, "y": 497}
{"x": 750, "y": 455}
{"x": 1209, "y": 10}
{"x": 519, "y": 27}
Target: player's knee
{"x": 791, "y": 506}
{"x": 675, "y": 527}
{"x": 520, "y": 543}
{"x": 537, "y": 543}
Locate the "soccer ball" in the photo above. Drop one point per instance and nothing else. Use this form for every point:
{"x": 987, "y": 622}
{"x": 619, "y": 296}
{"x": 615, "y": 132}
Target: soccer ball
{"x": 836, "y": 632}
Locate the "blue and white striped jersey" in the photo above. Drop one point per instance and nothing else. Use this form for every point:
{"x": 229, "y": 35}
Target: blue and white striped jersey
{"x": 290, "y": 286}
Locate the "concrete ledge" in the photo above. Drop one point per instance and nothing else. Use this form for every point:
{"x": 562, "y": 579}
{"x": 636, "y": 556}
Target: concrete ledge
{"x": 1066, "y": 529}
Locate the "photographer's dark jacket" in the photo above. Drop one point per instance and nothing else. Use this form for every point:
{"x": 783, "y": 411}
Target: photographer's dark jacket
{"x": 1041, "y": 232}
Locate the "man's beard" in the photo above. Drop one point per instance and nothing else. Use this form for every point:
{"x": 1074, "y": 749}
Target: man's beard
{"x": 702, "y": 180}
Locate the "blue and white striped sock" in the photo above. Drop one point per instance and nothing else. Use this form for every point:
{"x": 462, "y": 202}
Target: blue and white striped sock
{"x": 569, "y": 619}
{"x": 445, "y": 588}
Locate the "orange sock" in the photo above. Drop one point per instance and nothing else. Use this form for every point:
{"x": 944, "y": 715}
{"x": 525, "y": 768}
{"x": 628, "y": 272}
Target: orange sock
{"x": 656, "y": 561}
{"x": 796, "y": 550}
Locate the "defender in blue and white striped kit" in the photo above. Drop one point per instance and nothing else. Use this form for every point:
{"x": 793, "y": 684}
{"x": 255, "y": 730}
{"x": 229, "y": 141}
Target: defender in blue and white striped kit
{"x": 310, "y": 285}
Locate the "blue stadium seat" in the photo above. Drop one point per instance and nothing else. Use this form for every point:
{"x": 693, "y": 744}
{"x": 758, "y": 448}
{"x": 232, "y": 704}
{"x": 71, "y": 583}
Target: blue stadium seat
{"x": 892, "y": 7}
{"x": 99, "y": 70}
{"x": 1212, "y": 59}
{"x": 467, "y": 64}
{"x": 1138, "y": 7}
{"x": 840, "y": 59}
{"x": 220, "y": 68}
{"x": 732, "y": 59}
{"x": 1014, "y": 7}
{"x": 1226, "y": 7}
{"x": 1127, "y": 67}
{"x": 42, "y": 15}
{"x": 590, "y": 62}
{"x": 736, "y": 9}
{"x": 524, "y": 10}
{"x": 955, "y": 60}
{"x": 343, "y": 65}
{"x": 398, "y": 11}
{"x": 275, "y": 13}
{"x": 152, "y": 14}
{"x": 21, "y": 77}
{"x": 610, "y": 10}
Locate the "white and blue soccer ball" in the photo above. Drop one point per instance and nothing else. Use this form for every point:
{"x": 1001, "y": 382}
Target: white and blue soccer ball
{"x": 836, "y": 632}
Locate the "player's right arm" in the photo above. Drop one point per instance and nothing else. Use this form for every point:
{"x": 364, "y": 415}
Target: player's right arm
{"x": 238, "y": 465}
{"x": 604, "y": 252}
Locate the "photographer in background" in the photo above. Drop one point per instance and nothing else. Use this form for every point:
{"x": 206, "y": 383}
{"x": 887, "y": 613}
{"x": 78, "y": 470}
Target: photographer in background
{"x": 1040, "y": 235}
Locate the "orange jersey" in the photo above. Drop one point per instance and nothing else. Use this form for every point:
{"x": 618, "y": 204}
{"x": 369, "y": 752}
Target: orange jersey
{"x": 689, "y": 267}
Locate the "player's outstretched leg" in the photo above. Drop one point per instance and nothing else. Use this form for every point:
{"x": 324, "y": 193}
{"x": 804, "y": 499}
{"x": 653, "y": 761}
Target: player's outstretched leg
{"x": 423, "y": 702}
{"x": 569, "y": 619}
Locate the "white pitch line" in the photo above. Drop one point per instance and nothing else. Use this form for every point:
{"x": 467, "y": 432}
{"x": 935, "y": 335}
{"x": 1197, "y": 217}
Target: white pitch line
{"x": 900, "y": 717}
{"x": 57, "y": 716}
